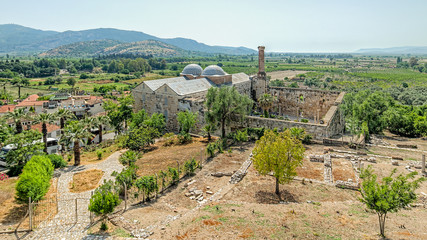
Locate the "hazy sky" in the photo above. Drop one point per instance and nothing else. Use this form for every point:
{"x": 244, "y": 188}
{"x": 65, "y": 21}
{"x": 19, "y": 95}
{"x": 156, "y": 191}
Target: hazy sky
{"x": 287, "y": 26}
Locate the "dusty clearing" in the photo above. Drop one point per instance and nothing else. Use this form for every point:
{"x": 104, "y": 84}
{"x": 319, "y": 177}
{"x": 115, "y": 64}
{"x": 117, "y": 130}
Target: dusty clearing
{"x": 86, "y": 180}
{"x": 91, "y": 157}
{"x": 250, "y": 209}
{"x": 161, "y": 157}
{"x": 282, "y": 74}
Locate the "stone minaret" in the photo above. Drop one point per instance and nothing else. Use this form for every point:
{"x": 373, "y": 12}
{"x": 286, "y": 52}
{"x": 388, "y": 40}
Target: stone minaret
{"x": 261, "y": 68}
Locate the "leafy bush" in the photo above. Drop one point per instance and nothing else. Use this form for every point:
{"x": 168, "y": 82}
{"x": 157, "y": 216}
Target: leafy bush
{"x": 256, "y": 133}
{"x": 126, "y": 176}
{"x": 147, "y": 184}
{"x": 57, "y": 160}
{"x": 210, "y": 149}
{"x": 129, "y": 157}
{"x": 190, "y": 166}
{"x": 104, "y": 200}
{"x": 307, "y": 139}
{"x": 99, "y": 154}
{"x": 173, "y": 173}
{"x": 304, "y": 120}
{"x": 168, "y": 139}
{"x": 34, "y": 181}
{"x": 241, "y": 136}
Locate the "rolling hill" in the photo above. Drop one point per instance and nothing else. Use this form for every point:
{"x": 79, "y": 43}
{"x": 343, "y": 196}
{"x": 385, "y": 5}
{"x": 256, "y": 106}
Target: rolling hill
{"x": 106, "y": 47}
{"x": 19, "y": 39}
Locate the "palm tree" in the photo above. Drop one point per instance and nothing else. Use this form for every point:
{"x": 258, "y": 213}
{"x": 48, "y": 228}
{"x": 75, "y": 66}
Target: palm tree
{"x": 20, "y": 82}
{"x": 208, "y": 129}
{"x": 266, "y": 103}
{"x": 74, "y": 133}
{"x": 16, "y": 116}
{"x": 63, "y": 115}
{"x": 44, "y": 119}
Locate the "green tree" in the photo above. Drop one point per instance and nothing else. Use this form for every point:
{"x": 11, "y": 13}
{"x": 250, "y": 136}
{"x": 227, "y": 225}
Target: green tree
{"x": 186, "y": 121}
{"x": 391, "y": 195}
{"x": 190, "y": 166}
{"x": 16, "y": 116}
{"x": 207, "y": 131}
{"x": 25, "y": 145}
{"x": 45, "y": 119}
{"x": 157, "y": 121}
{"x": 140, "y": 138}
{"x": 74, "y": 133}
{"x": 99, "y": 122}
{"x": 34, "y": 181}
{"x": 148, "y": 185}
{"x": 104, "y": 200}
{"x": 71, "y": 82}
{"x": 280, "y": 154}
{"x": 223, "y": 103}
{"x": 5, "y": 131}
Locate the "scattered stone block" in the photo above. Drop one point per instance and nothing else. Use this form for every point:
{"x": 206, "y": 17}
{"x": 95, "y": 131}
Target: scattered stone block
{"x": 189, "y": 194}
{"x": 209, "y": 192}
{"x": 406, "y": 146}
{"x": 396, "y": 158}
{"x": 394, "y": 163}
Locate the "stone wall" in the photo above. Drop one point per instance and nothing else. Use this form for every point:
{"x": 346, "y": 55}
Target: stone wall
{"x": 306, "y": 103}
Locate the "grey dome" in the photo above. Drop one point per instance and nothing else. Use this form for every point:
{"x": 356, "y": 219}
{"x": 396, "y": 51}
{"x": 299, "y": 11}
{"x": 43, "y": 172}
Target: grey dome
{"x": 213, "y": 70}
{"x": 192, "y": 69}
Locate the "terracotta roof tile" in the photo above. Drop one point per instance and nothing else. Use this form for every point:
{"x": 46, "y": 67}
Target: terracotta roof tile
{"x": 7, "y": 108}
{"x": 50, "y": 127}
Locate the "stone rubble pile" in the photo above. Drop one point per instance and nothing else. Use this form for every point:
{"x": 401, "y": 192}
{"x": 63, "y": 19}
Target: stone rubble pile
{"x": 316, "y": 158}
{"x": 241, "y": 173}
{"x": 349, "y": 184}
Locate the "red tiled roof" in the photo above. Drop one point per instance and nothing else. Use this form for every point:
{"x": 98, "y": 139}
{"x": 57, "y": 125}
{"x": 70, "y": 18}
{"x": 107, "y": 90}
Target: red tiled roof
{"x": 31, "y": 103}
{"x": 31, "y": 98}
{"x": 50, "y": 127}
{"x": 7, "y": 108}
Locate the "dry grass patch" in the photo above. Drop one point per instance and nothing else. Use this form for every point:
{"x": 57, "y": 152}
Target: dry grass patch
{"x": 162, "y": 157}
{"x": 92, "y": 157}
{"x": 86, "y": 180}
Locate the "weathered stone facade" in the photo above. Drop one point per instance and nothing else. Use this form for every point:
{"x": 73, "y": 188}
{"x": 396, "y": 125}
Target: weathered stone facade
{"x": 188, "y": 92}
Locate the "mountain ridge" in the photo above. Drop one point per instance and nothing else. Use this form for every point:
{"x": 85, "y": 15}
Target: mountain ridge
{"x": 20, "y": 39}
{"x": 416, "y": 50}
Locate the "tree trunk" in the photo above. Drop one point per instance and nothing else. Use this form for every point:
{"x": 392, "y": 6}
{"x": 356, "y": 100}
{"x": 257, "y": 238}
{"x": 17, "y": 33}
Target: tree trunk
{"x": 76, "y": 153}
{"x": 44, "y": 132}
{"x": 19, "y": 91}
{"x": 223, "y": 128}
{"x": 18, "y": 126}
{"x": 62, "y": 125}
{"x": 277, "y": 187}
{"x": 100, "y": 133}
{"x": 209, "y": 136}
{"x": 381, "y": 219}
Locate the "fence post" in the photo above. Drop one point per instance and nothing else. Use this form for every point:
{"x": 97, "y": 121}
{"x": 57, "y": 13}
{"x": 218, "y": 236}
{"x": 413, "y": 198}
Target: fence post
{"x": 76, "y": 209}
{"x": 178, "y": 171}
{"x": 201, "y": 158}
{"x": 126, "y": 196}
{"x": 157, "y": 184}
{"x": 30, "y": 213}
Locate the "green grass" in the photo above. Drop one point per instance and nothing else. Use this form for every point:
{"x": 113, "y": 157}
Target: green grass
{"x": 217, "y": 209}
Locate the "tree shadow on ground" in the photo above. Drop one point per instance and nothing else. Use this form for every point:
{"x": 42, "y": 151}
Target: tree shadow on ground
{"x": 270, "y": 197}
{"x": 15, "y": 215}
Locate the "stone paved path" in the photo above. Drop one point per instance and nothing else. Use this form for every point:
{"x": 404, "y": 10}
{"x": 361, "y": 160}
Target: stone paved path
{"x": 64, "y": 225}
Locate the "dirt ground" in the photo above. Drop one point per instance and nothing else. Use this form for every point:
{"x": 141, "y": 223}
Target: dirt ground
{"x": 282, "y": 74}
{"x": 161, "y": 157}
{"x": 86, "y": 180}
{"x": 250, "y": 209}
{"x": 12, "y": 212}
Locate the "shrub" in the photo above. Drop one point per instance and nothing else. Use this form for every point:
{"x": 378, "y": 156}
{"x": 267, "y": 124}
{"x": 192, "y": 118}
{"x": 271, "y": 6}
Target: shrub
{"x": 173, "y": 173}
{"x": 129, "y": 157}
{"x": 190, "y": 166}
{"x": 184, "y": 138}
{"x": 126, "y": 176}
{"x": 304, "y": 120}
{"x": 256, "y": 133}
{"x": 210, "y": 149}
{"x": 34, "y": 181}
{"x": 104, "y": 200}
{"x": 57, "y": 160}
{"x": 307, "y": 139}
{"x": 241, "y": 136}
{"x": 99, "y": 154}
{"x": 168, "y": 139}
{"x": 147, "y": 184}
{"x": 104, "y": 226}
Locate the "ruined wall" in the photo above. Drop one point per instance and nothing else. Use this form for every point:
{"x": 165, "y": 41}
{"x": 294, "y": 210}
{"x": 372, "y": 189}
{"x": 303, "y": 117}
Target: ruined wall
{"x": 305, "y": 102}
{"x": 244, "y": 88}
